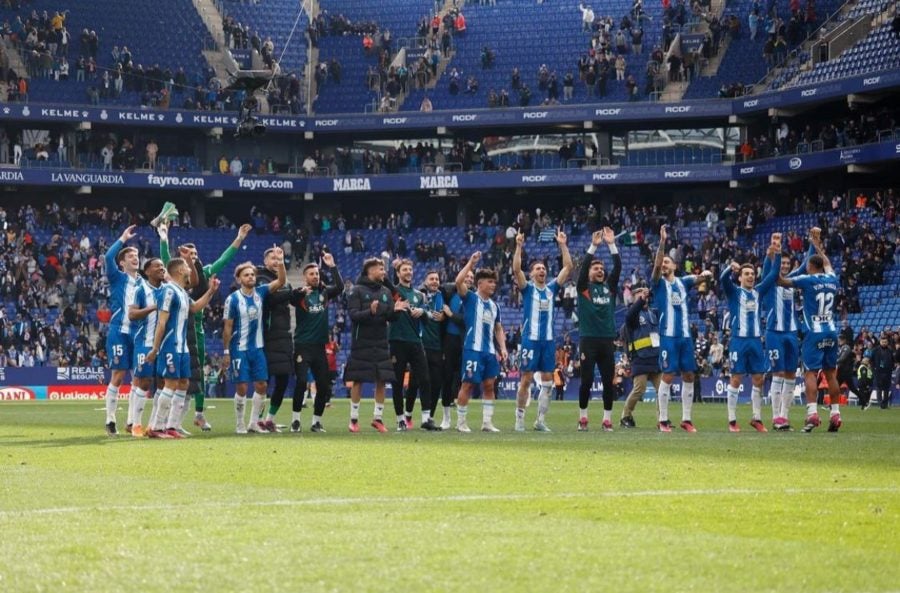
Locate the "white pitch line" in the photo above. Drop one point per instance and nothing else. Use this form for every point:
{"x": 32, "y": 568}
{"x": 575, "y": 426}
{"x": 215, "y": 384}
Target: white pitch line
{"x": 350, "y": 501}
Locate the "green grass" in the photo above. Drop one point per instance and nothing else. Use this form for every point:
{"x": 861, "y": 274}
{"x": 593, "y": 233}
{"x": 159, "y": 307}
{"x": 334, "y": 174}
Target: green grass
{"x": 627, "y": 511}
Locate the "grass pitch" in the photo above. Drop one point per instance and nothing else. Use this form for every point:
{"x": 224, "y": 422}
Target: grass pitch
{"x": 627, "y": 511}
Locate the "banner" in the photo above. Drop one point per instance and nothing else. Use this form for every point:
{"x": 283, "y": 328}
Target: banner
{"x": 814, "y": 161}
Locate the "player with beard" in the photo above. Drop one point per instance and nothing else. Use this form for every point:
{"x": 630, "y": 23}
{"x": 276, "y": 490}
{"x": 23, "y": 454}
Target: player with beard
{"x": 538, "y": 345}
{"x": 453, "y": 343}
{"x": 276, "y": 317}
{"x": 310, "y": 339}
{"x": 143, "y": 312}
{"x": 432, "y": 324}
{"x": 597, "y": 325}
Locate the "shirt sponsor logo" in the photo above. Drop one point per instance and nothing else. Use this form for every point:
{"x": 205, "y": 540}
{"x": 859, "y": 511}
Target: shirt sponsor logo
{"x": 438, "y": 182}
{"x": 64, "y": 113}
{"x": 352, "y": 184}
{"x": 795, "y": 163}
{"x": 141, "y": 116}
{"x": 219, "y": 120}
{"x": 282, "y": 122}
{"x": 175, "y": 181}
{"x": 264, "y": 184}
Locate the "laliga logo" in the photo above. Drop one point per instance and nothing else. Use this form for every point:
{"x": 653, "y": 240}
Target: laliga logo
{"x": 535, "y": 114}
{"x": 104, "y": 115}
{"x": 795, "y": 163}
{"x": 464, "y": 117}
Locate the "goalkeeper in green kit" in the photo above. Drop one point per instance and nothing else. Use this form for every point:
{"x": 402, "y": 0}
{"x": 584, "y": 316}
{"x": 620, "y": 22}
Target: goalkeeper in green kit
{"x": 197, "y": 338}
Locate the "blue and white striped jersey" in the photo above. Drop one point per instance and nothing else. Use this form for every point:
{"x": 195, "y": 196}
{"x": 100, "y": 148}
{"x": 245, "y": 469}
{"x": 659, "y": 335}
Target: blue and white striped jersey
{"x": 819, "y": 294}
{"x": 538, "y": 311}
{"x": 146, "y": 296}
{"x": 481, "y": 319}
{"x": 246, "y": 311}
{"x": 778, "y": 302}
{"x": 744, "y": 306}
{"x": 175, "y": 301}
{"x": 122, "y": 288}
{"x": 671, "y": 300}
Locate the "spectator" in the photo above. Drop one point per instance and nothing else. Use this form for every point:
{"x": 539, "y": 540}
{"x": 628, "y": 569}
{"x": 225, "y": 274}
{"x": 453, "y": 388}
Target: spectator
{"x": 236, "y": 166}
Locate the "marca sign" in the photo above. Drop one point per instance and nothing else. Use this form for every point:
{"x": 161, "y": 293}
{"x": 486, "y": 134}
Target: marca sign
{"x": 352, "y": 184}
{"x": 438, "y": 182}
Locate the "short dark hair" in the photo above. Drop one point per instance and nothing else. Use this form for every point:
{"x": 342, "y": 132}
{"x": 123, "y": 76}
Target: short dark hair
{"x": 370, "y": 263}
{"x": 817, "y": 261}
{"x": 430, "y": 272}
{"x": 307, "y": 266}
{"x": 174, "y": 263}
{"x": 535, "y": 262}
{"x": 750, "y": 266}
{"x": 149, "y": 262}
{"x": 121, "y": 255}
{"x": 189, "y": 246}
{"x": 485, "y": 274}
{"x": 267, "y": 252}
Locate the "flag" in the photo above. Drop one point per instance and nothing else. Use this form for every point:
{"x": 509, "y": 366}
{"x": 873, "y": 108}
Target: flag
{"x": 628, "y": 237}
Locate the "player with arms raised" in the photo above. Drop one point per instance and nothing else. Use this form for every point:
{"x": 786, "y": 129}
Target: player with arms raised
{"x": 538, "y": 345}
{"x": 676, "y": 347}
{"x": 819, "y": 287}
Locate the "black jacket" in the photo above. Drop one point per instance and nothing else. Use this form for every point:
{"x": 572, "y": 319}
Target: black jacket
{"x": 370, "y": 356}
{"x": 277, "y": 325}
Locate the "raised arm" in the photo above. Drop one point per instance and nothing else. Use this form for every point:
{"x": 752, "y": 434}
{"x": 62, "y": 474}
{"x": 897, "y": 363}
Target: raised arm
{"x": 563, "y": 241}
{"x": 584, "y": 271}
{"x": 282, "y": 272}
{"x": 200, "y": 303}
{"x": 163, "y": 231}
{"x": 612, "y": 279}
{"x": 110, "y": 256}
{"x": 771, "y": 268}
{"x": 229, "y": 253}
{"x": 337, "y": 286}
{"x": 660, "y": 254}
{"x": 461, "y": 288}
{"x": 727, "y": 278}
{"x": 632, "y": 316}
{"x": 518, "y": 275}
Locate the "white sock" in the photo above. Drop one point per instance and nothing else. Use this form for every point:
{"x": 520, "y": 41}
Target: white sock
{"x": 775, "y": 394}
{"x": 756, "y": 402}
{"x": 112, "y": 402}
{"x": 316, "y": 419}
{"x": 812, "y": 409}
{"x": 544, "y": 400}
{"x": 426, "y": 416}
{"x": 379, "y": 411}
{"x": 140, "y": 401}
{"x": 582, "y": 413}
{"x": 165, "y": 406}
{"x": 184, "y": 408}
{"x": 787, "y": 396}
{"x": 687, "y": 400}
{"x": 295, "y": 416}
{"x": 732, "y": 403}
{"x": 447, "y": 415}
{"x": 178, "y": 403}
{"x": 662, "y": 399}
{"x": 154, "y": 410}
{"x": 607, "y": 416}
{"x": 132, "y": 401}
{"x": 270, "y": 417}
{"x": 256, "y": 407}
{"x": 461, "y": 412}
{"x": 240, "y": 404}
{"x": 487, "y": 411}
{"x": 520, "y": 413}
{"x": 835, "y": 408}
{"x": 354, "y": 410}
